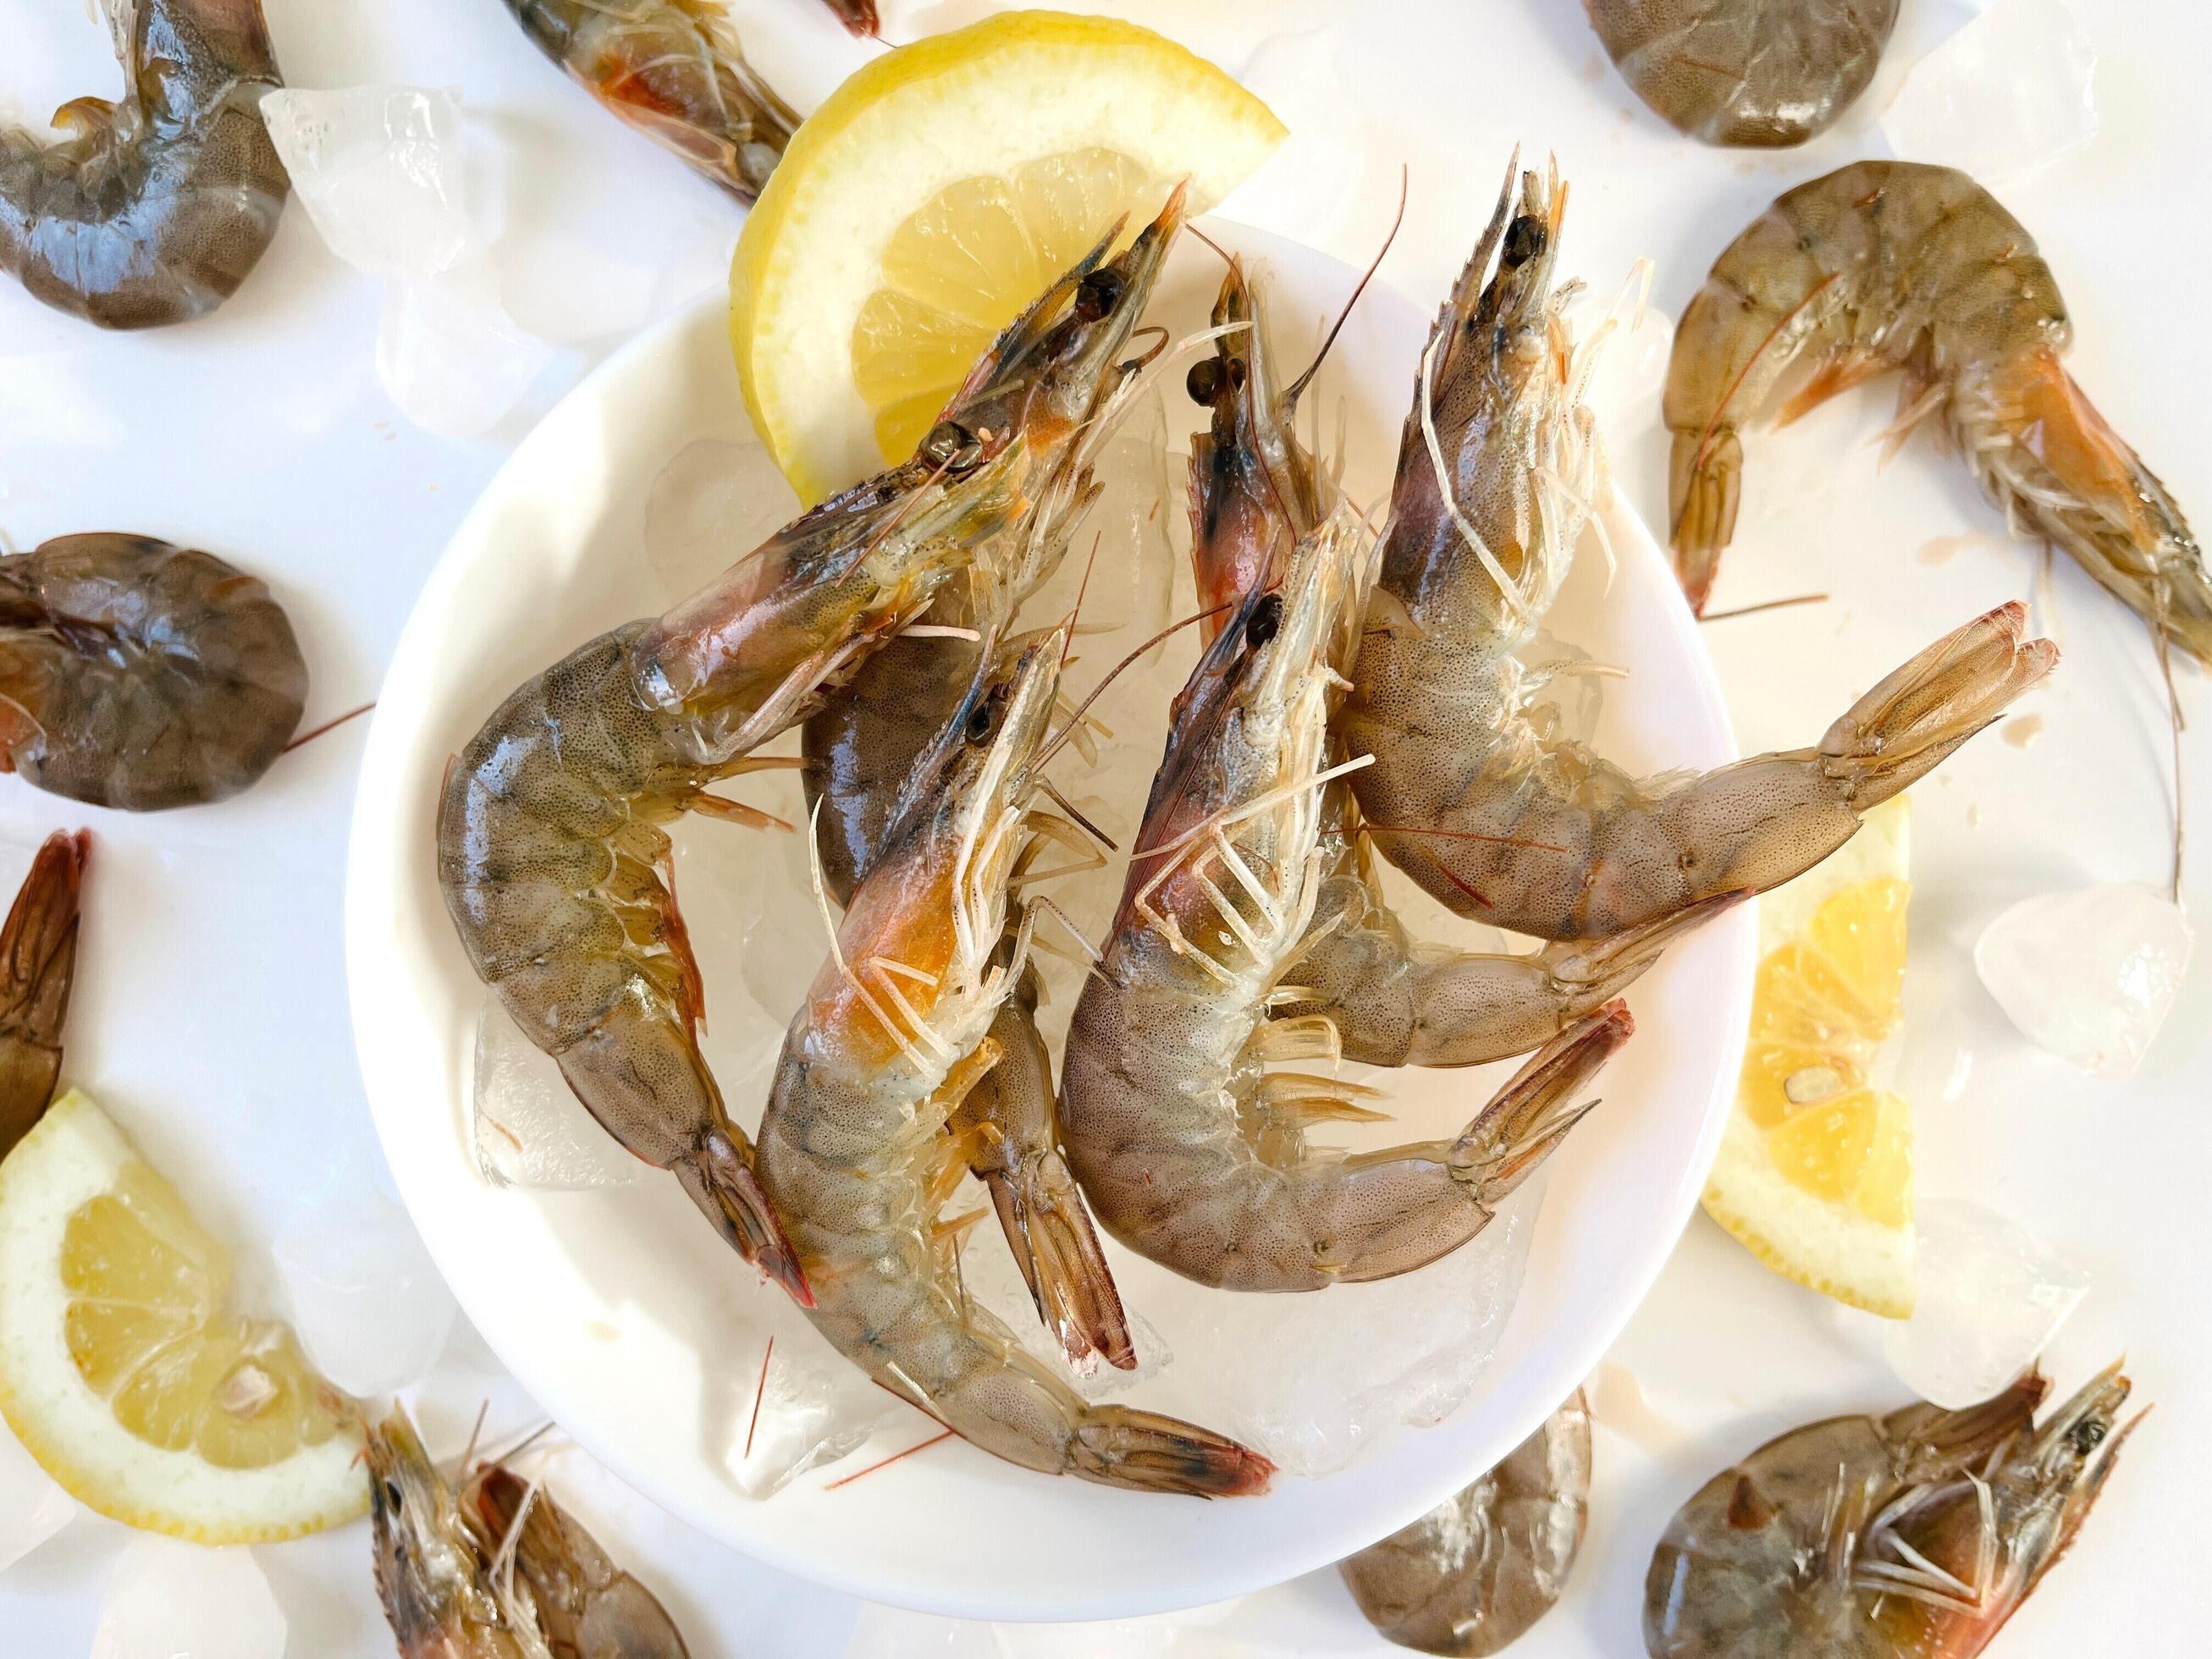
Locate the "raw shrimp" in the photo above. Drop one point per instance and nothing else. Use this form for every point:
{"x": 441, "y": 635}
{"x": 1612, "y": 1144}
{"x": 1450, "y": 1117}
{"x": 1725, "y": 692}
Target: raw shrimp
{"x": 1498, "y": 474}
{"x": 141, "y": 675}
{"x": 1188, "y": 1151}
{"x": 551, "y": 841}
{"x": 852, "y": 1154}
{"x": 1893, "y": 265}
{"x": 861, "y": 751}
{"x": 155, "y": 208}
{"x": 1476, "y": 1572}
{"x": 1392, "y": 1000}
{"x": 675, "y": 71}
{"x": 1760, "y": 73}
{"x": 37, "y": 964}
{"x": 1917, "y": 1534}
{"x": 460, "y": 1579}
{"x": 859, "y": 16}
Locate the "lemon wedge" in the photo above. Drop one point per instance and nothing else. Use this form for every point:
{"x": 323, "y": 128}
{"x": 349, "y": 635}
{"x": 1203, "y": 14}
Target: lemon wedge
{"x": 123, "y": 1372}
{"x": 1814, "y": 1176}
{"x": 933, "y": 195}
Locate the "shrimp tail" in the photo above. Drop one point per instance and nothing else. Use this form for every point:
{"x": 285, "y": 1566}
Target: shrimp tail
{"x": 721, "y": 1179}
{"x": 1144, "y": 1451}
{"x": 1705, "y": 488}
{"x": 1603, "y": 968}
{"x": 1911, "y": 722}
{"x": 1533, "y": 1114}
{"x": 38, "y": 962}
{"x": 1056, "y": 1247}
{"x": 858, "y": 17}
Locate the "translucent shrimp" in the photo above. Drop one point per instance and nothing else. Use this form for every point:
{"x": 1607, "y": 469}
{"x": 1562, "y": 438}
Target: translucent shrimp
{"x": 157, "y": 206}
{"x": 141, "y": 675}
{"x": 551, "y": 837}
{"x": 38, "y": 964}
{"x": 1919, "y": 1532}
{"x": 1189, "y": 1152}
{"x": 894, "y": 1029}
{"x": 1757, "y": 73}
{"x": 1887, "y": 265}
{"x": 862, "y": 751}
{"x": 1497, "y": 475}
{"x": 1392, "y": 1000}
{"x": 499, "y": 1572}
{"x": 1472, "y": 1575}
{"x": 675, "y": 71}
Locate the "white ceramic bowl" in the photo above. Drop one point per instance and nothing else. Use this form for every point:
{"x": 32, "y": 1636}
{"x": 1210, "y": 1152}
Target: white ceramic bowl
{"x": 608, "y": 1305}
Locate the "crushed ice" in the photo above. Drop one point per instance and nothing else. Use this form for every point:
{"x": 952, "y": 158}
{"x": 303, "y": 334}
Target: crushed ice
{"x": 1991, "y": 1297}
{"x": 2088, "y": 975}
{"x": 2010, "y": 93}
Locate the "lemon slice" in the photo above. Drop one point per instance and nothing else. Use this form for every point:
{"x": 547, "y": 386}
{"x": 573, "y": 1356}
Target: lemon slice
{"x": 1814, "y": 1175}
{"x": 123, "y": 1373}
{"x": 933, "y": 195}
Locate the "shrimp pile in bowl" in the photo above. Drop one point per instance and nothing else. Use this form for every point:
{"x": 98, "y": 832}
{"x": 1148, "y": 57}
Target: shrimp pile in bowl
{"x": 1125, "y": 1018}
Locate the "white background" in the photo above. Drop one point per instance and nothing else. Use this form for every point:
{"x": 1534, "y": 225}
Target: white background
{"x": 210, "y": 1015}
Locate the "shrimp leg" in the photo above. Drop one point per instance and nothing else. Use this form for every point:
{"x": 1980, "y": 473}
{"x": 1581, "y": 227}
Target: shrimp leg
{"x": 37, "y": 964}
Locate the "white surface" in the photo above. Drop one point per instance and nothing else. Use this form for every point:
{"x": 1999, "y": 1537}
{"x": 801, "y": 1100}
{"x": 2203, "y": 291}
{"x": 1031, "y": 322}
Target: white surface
{"x": 626, "y": 1316}
{"x": 210, "y": 1010}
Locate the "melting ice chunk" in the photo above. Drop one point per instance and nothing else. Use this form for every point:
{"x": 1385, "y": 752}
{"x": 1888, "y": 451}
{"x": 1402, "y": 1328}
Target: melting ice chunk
{"x": 450, "y": 358}
{"x": 377, "y": 170}
{"x": 713, "y": 503}
{"x": 2012, "y": 91}
{"x": 169, "y": 1600}
{"x": 2088, "y": 975}
{"x": 32, "y": 1509}
{"x": 366, "y": 1300}
{"x": 529, "y": 1128}
{"x": 814, "y": 1407}
{"x": 1990, "y": 1297}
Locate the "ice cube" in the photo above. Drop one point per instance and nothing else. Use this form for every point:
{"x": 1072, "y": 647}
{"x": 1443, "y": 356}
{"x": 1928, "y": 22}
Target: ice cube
{"x": 570, "y": 287}
{"x": 713, "y": 503}
{"x": 366, "y": 1300}
{"x": 32, "y": 1509}
{"x": 813, "y": 1408}
{"x": 1629, "y": 340}
{"x": 379, "y": 170}
{"x": 994, "y": 1283}
{"x": 2088, "y": 975}
{"x": 2011, "y": 92}
{"x": 1990, "y": 1297}
{"x": 450, "y": 358}
{"x": 167, "y": 1599}
{"x": 529, "y": 1128}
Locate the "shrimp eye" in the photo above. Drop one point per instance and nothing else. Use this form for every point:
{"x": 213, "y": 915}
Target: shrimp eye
{"x": 1524, "y": 241}
{"x": 985, "y": 715}
{"x": 1097, "y": 295}
{"x": 1265, "y": 621}
{"x": 2087, "y": 1436}
{"x": 951, "y": 445}
{"x": 1204, "y": 380}
{"x": 392, "y": 1494}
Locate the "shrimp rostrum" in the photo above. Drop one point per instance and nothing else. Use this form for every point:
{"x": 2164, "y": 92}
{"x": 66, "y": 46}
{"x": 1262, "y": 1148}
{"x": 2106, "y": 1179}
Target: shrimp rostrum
{"x": 1191, "y": 1151}
{"x": 1919, "y": 1532}
{"x": 1893, "y": 265}
{"x": 1488, "y": 810}
{"x": 551, "y": 836}
{"x": 1393, "y": 999}
{"x": 894, "y": 1032}
{"x": 155, "y": 207}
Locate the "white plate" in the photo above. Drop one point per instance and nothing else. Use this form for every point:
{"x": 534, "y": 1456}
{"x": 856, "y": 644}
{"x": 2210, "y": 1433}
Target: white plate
{"x": 611, "y": 1307}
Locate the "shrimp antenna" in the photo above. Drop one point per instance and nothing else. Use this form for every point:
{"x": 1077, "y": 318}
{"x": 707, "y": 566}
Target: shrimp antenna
{"x": 1227, "y": 258}
{"x": 1291, "y": 395}
{"x": 1077, "y": 817}
{"x": 1052, "y": 745}
{"x": 1082, "y": 588}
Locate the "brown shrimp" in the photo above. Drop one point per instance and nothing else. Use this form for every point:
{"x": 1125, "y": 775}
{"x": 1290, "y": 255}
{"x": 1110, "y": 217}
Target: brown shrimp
{"x": 675, "y": 71}
{"x": 1392, "y": 1000}
{"x": 894, "y": 1032}
{"x": 1472, "y": 1575}
{"x": 138, "y": 674}
{"x": 1757, "y": 73}
{"x": 1916, "y": 1534}
{"x": 1189, "y": 1152}
{"x": 551, "y": 837}
{"x": 859, "y": 16}
{"x": 587, "y": 1606}
{"x": 157, "y": 206}
{"x": 1497, "y": 816}
{"x": 1886, "y": 265}
{"x": 38, "y": 964}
